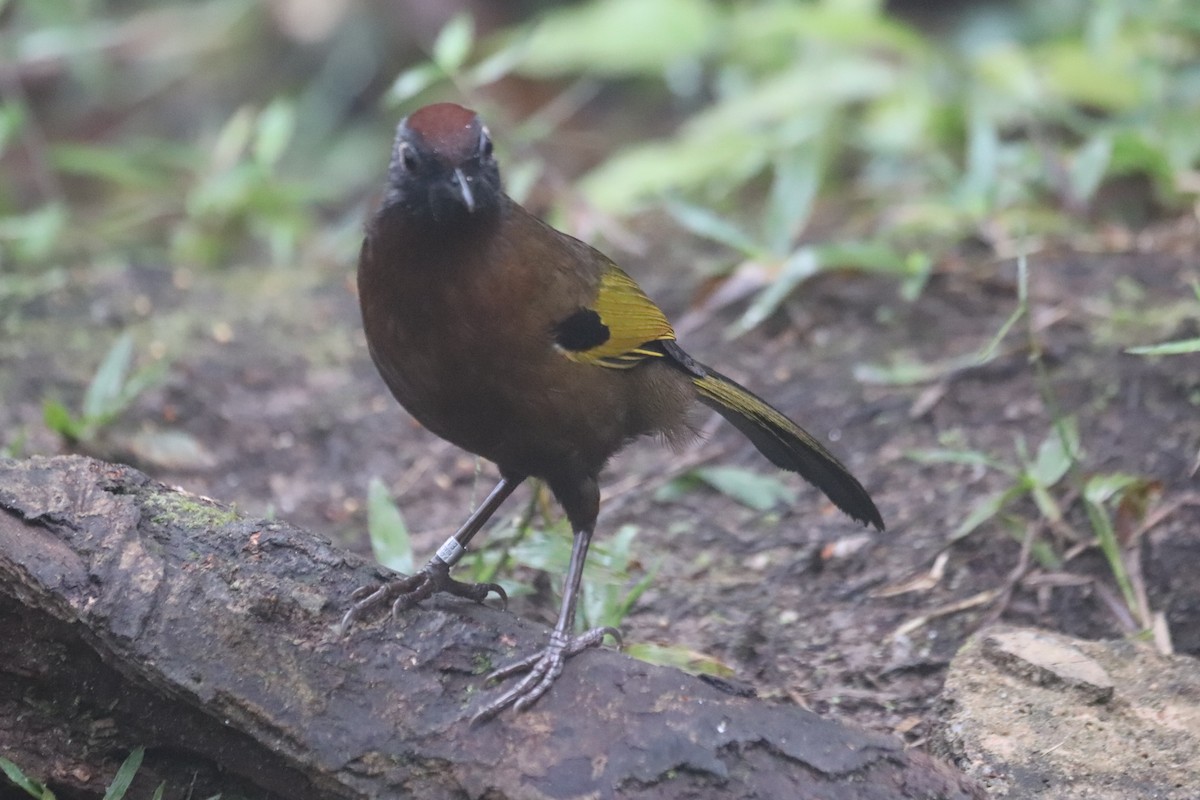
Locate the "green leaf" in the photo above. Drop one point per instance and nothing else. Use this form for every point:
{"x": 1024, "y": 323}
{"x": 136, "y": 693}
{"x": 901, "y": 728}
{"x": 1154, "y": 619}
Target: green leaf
{"x": 454, "y": 43}
{"x": 124, "y": 778}
{"x": 1045, "y": 555}
{"x": 413, "y": 81}
{"x": 141, "y": 380}
{"x": 1102, "y": 488}
{"x": 977, "y": 188}
{"x": 1004, "y": 73}
{"x": 18, "y": 777}
{"x": 13, "y": 118}
{"x": 273, "y": 132}
{"x": 233, "y": 138}
{"x": 818, "y": 88}
{"x": 919, "y": 268}
{"x": 797, "y": 268}
{"x": 1175, "y": 348}
{"x": 1139, "y": 151}
{"x": 984, "y": 510}
{"x": 606, "y": 601}
{"x": 871, "y": 256}
{"x": 752, "y": 489}
{"x": 1047, "y": 506}
{"x": 797, "y": 177}
{"x": 616, "y": 552}
{"x": 1105, "y": 80}
{"x": 103, "y": 399}
{"x": 1090, "y": 166}
{"x": 904, "y": 371}
{"x": 623, "y": 608}
{"x": 549, "y": 550}
{"x": 684, "y": 164}
{"x": 59, "y": 419}
{"x": 1106, "y": 537}
{"x": 33, "y": 236}
{"x": 615, "y": 38}
{"x": 972, "y": 458}
{"x": 497, "y": 65}
{"x": 679, "y": 657}
{"x": 119, "y": 165}
{"x": 1055, "y": 456}
{"x": 707, "y": 224}
{"x": 24, "y": 287}
{"x": 387, "y": 530}
{"x": 675, "y": 490}
{"x": 760, "y": 27}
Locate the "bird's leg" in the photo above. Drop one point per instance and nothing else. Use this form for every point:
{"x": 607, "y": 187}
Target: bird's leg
{"x": 547, "y": 664}
{"x": 434, "y": 577}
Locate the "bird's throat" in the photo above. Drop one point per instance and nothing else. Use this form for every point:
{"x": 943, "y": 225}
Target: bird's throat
{"x": 426, "y": 238}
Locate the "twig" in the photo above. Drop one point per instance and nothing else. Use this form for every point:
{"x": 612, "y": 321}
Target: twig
{"x": 1159, "y": 514}
{"x": 975, "y": 600}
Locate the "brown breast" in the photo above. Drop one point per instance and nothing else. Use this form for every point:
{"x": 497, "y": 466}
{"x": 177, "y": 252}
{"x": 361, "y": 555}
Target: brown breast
{"x": 461, "y": 331}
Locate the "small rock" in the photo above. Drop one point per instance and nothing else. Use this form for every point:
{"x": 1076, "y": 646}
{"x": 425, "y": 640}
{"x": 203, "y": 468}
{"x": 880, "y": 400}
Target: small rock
{"x": 1048, "y": 659}
{"x": 1040, "y": 716}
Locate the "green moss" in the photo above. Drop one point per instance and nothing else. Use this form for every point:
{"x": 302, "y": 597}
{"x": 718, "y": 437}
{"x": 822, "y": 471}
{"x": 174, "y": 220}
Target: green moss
{"x": 172, "y": 508}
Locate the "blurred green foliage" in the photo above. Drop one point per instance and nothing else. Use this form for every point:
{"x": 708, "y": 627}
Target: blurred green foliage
{"x": 1006, "y": 128}
{"x": 1055, "y": 478}
{"x": 970, "y": 123}
{"x": 796, "y": 136}
{"x": 185, "y": 134}
{"x": 115, "y": 791}
{"x": 387, "y": 530}
{"x": 1177, "y": 347}
{"x": 111, "y": 391}
{"x": 755, "y": 490}
{"x": 177, "y": 133}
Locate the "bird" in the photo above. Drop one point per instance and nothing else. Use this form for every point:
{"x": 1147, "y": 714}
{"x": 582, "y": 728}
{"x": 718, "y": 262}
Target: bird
{"x": 531, "y": 349}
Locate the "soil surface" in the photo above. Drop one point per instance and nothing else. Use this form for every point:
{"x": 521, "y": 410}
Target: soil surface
{"x": 282, "y": 413}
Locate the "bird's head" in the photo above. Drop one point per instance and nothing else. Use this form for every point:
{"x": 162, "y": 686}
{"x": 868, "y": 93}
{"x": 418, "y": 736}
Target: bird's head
{"x": 442, "y": 166}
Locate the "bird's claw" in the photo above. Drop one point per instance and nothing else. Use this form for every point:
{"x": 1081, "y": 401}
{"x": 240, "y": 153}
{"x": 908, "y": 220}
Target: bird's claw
{"x": 543, "y": 667}
{"x": 404, "y": 593}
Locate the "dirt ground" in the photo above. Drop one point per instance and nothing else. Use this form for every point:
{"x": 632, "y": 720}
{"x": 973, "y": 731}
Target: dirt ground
{"x": 270, "y": 378}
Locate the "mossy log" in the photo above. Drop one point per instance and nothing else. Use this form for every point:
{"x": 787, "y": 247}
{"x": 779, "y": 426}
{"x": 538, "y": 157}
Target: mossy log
{"x": 135, "y": 614}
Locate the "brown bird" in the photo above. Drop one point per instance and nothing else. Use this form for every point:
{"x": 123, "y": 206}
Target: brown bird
{"x": 533, "y": 350}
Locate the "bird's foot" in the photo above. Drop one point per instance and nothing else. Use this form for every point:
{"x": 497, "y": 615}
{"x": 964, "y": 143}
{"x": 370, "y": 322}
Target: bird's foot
{"x": 543, "y": 667}
{"x": 404, "y": 593}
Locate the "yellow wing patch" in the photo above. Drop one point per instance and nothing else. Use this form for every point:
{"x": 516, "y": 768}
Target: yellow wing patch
{"x": 631, "y": 320}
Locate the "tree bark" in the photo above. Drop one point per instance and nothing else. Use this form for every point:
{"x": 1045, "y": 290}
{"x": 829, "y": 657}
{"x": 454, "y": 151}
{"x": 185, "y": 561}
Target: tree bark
{"x": 134, "y": 614}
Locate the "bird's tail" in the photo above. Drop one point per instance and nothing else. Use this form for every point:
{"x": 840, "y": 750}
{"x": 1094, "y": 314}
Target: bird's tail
{"x": 785, "y": 443}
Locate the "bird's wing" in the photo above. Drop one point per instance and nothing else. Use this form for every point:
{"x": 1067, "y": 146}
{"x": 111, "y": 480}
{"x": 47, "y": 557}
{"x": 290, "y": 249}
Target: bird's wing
{"x": 618, "y": 329}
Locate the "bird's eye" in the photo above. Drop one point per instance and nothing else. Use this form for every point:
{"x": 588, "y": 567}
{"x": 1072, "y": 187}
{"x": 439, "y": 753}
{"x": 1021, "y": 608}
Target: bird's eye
{"x": 485, "y": 143}
{"x": 407, "y": 157}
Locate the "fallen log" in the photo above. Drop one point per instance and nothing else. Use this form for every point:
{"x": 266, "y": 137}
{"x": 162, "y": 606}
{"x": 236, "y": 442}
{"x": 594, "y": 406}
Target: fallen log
{"x": 134, "y": 614}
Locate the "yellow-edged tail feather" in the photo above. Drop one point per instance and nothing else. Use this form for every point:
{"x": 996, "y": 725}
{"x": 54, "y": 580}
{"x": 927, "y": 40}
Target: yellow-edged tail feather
{"x": 786, "y": 444}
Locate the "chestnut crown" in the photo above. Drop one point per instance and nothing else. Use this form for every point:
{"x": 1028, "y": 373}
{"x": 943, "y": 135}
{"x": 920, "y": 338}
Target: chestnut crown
{"x": 442, "y": 168}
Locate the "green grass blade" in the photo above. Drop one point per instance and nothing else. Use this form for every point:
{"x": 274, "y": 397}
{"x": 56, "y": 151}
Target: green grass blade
{"x": 124, "y": 778}
{"x": 32, "y": 787}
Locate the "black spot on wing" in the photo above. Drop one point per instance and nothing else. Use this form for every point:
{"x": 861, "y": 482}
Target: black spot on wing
{"x": 583, "y": 330}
